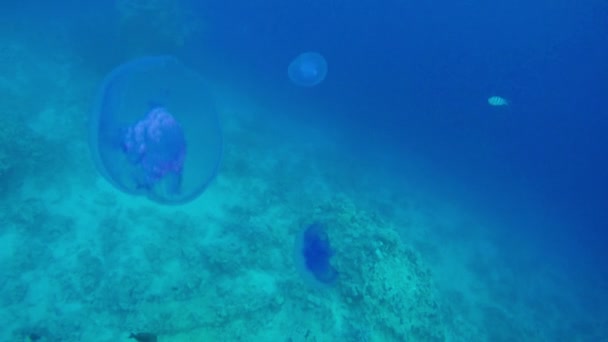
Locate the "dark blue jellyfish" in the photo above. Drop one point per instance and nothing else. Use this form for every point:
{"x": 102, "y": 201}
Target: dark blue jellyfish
{"x": 312, "y": 255}
{"x": 308, "y": 69}
{"x": 155, "y": 132}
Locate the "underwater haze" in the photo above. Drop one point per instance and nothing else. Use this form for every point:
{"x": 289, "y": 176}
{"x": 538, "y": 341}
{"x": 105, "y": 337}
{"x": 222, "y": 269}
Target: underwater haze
{"x": 191, "y": 170}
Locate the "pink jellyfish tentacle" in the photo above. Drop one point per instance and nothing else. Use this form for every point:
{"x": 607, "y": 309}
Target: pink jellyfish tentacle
{"x": 156, "y": 145}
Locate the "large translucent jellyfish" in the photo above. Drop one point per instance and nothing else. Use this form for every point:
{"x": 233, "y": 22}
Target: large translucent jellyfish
{"x": 308, "y": 69}
{"x": 154, "y": 130}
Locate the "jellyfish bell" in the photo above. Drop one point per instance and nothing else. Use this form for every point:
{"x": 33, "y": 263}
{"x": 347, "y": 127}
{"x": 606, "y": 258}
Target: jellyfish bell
{"x": 313, "y": 253}
{"x": 308, "y": 69}
{"x": 154, "y": 131}
{"x": 497, "y": 101}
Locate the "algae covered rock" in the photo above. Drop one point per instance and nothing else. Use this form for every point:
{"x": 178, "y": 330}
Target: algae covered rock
{"x": 383, "y": 283}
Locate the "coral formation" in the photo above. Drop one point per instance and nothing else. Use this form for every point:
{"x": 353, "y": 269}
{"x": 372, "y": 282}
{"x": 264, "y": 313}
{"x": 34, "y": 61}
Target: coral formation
{"x": 383, "y": 284}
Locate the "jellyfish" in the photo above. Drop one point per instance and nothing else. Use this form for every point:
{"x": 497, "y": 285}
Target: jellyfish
{"x": 497, "y": 101}
{"x": 312, "y": 255}
{"x": 308, "y": 69}
{"x": 154, "y": 131}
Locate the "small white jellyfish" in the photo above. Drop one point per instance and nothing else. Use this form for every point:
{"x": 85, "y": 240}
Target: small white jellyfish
{"x": 308, "y": 69}
{"x": 497, "y": 101}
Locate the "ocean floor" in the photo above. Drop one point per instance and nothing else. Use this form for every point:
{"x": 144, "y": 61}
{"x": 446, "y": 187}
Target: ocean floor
{"x": 80, "y": 261}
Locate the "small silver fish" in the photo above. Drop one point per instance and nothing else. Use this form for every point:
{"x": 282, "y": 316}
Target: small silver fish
{"x": 497, "y": 101}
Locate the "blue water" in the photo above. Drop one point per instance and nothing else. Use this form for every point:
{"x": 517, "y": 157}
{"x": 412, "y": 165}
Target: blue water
{"x": 410, "y": 79}
{"x": 450, "y": 219}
